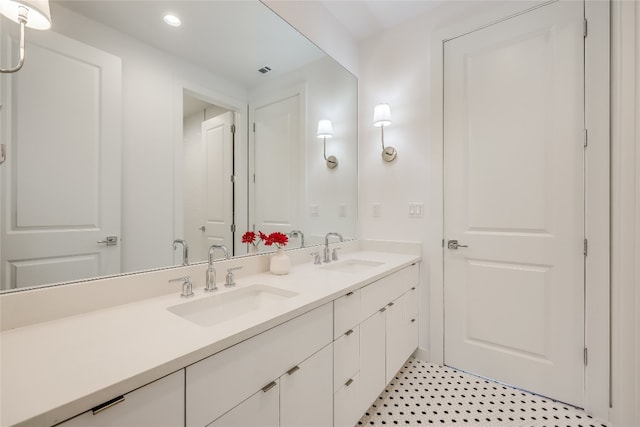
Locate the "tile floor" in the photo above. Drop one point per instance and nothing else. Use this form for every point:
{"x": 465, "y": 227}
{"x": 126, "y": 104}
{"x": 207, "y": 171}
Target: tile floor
{"x": 422, "y": 394}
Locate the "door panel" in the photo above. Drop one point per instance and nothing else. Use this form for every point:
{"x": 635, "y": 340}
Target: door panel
{"x": 514, "y": 299}
{"x": 46, "y": 230}
{"x": 217, "y": 140}
{"x": 277, "y": 165}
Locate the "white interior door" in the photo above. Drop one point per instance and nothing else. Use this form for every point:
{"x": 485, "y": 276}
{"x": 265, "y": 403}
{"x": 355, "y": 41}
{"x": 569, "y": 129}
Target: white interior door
{"x": 514, "y": 194}
{"x": 217, "y": 146}
{"x": 277, "y": 165}
{"x": 61, "y": 182}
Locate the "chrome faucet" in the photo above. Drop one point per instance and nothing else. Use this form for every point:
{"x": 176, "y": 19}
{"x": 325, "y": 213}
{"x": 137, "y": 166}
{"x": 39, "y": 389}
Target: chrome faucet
{"x": 185, "y": 250}
{"x": 187, "y": 286}
{"x": 296, "y": 233}
{"x": 327, "y": 257}
{"x": 210, "y": 281}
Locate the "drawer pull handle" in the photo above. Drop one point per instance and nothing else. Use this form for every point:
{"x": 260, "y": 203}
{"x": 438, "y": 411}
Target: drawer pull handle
{"x": 106, "y": 405}
{"x": 391, "y": 304}
{"x": 269, "y": 386}
{"x": 348, "y": 383}
{"x": 349, "y": 294}
{"x": 413, "y": 320}
{"x": 349, "y": 332}
{"x": 383, "y": 309}
{"x": 293, "y": 370}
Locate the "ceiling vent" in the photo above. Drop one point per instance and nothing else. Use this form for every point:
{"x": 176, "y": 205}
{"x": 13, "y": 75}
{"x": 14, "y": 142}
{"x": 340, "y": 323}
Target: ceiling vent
{"x": 265, "y": 69}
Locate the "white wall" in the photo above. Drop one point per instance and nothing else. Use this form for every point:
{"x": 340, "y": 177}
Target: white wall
{"x": 152, "y": 109}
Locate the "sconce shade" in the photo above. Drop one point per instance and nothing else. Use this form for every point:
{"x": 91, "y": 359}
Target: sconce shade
{"x": 325, "y": 129}
{"x": 382, "y": 115}
{"x": 38, "y": 17}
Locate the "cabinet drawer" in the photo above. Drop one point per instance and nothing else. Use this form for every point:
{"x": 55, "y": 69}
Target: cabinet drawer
{"x": 218, "y": 383}
{"x": 412, "y": 304}
{"x": 380, "y": 293}
{"x": 346, "y": 410}
{"x": 346, "y": 312}
{"x": 160, "y": 403}
{"x": 346, "y": 357}
{"x": 260, "y": 410}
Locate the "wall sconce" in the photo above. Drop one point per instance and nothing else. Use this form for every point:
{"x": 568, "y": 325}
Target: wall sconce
{"x": 325, "y": 130}
{"x": 28, "y": 13}
{"x": 382, "y": 118}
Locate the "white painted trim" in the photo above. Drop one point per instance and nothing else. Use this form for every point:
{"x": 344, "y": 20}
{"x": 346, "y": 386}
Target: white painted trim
{"x": 597, "y": 205}
{"x": 240, "y": 110}
{"x": 597, "y": 377}
{"x": 421, "y": 354}
{"x": 625, "y": 210}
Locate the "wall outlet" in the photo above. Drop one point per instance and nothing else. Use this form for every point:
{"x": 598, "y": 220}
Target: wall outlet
{"x": 315, "y": 210}
{"x": 375, "y": 211}
{"x": 416, "y": 210}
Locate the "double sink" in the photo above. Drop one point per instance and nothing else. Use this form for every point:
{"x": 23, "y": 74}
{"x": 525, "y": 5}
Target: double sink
{"x": 225, "y": 306}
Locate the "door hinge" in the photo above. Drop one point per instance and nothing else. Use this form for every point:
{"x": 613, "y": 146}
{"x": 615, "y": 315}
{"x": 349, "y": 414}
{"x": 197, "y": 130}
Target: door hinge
{"x": 254, "y": 178}
{"x": 584, "y": 28}
{"x": 586, "y": 356}
{"x": 233, "y": 128}
{"x": 3, "y": 153}
{"x": 233, "y": 228}
{"x": 233, "y": 179}
{"x": 254, "y": 127}
{"x": 443, "y": 243}
{"x": 586, "y": 247}
{"x": 586, "y": 138}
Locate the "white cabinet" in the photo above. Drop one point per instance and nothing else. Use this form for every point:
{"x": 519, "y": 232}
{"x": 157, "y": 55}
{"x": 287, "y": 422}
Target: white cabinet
{"x": 388, "y": 332}
{"x": 160, "y": 403}
{"x": 372, "y": 358}
{"x": 346, "y": 311}
{"x": 346, "y": 357}
{"x": 306, "y": 392}
{"x": 259, "y": 410}
{"x": 219, "y": 383}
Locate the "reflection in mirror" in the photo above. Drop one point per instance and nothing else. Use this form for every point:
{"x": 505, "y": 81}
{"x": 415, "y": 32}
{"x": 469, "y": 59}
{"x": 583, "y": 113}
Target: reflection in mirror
{"x": 124, "y": 134}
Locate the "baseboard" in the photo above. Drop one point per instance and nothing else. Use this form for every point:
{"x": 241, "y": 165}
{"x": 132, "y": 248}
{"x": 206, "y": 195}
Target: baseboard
{"x": 421, "y": 354}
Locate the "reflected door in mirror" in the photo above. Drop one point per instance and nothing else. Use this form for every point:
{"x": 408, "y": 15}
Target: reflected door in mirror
{"x": 278, "y": 165}
{"x": 61, "y": 182}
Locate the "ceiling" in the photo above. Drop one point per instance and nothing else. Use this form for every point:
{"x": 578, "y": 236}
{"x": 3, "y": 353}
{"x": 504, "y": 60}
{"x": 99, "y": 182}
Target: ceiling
{"x": 365, "y": 18}
{"x": 233, "y": 39}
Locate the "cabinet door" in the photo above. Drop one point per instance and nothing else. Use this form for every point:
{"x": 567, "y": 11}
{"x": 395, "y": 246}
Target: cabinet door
{"x": 372, "y": 358}
{"x": 259, "y": 410}
{"x": 160, "y": 403}
{"x": 306, "y": 392}
{"x": 397, "y": 332}
{"x": 347, "y": 406}
{"x": 346, "y": 357}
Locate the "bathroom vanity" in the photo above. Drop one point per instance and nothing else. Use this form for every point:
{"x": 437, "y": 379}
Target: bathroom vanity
{"x": 315, "y": 347}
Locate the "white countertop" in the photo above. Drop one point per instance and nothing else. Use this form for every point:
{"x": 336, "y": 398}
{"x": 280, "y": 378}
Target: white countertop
{"x": 53, "y": 370}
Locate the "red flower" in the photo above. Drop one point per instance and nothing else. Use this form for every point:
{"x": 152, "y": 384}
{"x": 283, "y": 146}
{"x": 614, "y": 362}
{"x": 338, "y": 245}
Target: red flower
{"x": 263, "y": 237}
{"x": 249, "y": 237}
{"x": 277, "y": 238}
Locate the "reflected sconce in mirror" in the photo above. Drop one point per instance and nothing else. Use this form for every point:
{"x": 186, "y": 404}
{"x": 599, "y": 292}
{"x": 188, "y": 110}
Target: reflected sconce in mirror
{"x": 325, "y": 130}
{"x": 28, "y": 13}
{"x": 382, "y": 118}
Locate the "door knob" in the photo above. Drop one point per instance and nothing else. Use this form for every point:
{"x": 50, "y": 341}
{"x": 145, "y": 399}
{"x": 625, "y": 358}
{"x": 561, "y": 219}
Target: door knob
{"x": 453, "y": 244}
{"x": 110, "y": 240}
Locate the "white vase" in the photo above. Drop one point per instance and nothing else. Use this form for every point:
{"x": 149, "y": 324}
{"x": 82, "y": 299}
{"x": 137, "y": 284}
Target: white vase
{"x": 280, "y": 263}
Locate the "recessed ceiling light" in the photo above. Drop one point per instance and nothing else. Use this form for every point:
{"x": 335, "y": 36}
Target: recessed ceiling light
{"x": 172, "y": 20}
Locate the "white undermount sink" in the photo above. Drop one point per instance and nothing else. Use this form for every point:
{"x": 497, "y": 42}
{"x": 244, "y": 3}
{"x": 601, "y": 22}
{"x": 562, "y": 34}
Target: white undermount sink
{"x": 352, "y": 265}
{"x": 227, "y": 305}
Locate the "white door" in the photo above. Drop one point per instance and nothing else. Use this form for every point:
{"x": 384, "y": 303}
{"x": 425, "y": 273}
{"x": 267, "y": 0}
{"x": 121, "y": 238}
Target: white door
{"x": 217, "y": 147}
{"x": 277, "y": 165}
{"x": 60, "y": 190}
{"x": 514, "y": 298}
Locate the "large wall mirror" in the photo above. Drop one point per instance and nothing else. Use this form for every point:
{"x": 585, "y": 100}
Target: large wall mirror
{"x": 124, "y": 134}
